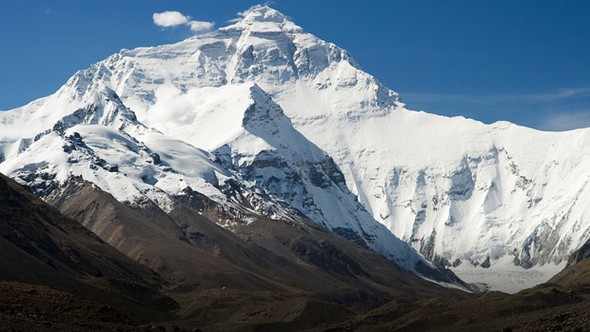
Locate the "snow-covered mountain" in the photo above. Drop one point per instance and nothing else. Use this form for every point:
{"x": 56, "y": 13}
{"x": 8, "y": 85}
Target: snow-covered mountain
{"x": 209, "y": 140}
{"x": 265, "y": 104}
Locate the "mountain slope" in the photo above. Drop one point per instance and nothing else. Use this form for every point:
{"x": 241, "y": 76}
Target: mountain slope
{"x": 299, "y": 264}
{"x": 40, "y": 246}
{"x": 190, "y": 250}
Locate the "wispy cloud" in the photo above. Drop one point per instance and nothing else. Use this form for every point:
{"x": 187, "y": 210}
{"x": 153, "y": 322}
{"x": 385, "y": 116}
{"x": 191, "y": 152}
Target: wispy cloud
{"x": 552, "y": 96}
{"x": 555, "y": 110}
{"x": 169, "y": 19}
{"x": 566, "y": 121}
{"x": 562, "y": 94}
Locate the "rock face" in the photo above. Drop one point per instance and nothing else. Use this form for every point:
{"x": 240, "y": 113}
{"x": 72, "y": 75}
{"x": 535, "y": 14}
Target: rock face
{"x": 41, "y": 246}
{"x": 293, "y": 119}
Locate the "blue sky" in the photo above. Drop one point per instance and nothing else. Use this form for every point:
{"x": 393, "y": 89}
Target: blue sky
{"x": 522, "y": 61}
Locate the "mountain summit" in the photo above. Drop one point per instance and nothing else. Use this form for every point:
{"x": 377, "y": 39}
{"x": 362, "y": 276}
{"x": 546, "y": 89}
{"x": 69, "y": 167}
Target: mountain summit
{"x": 294, "y": 123}
{"x": 262, "y": 17}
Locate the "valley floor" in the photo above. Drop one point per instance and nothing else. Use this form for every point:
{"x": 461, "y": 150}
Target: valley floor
{"x": 548, "y": 307}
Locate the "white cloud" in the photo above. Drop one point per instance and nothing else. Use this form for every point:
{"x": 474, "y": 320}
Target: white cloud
{"x": 566, "y": 121}
{"x": 198, "y": 26}
{"x": 170, "y": 19}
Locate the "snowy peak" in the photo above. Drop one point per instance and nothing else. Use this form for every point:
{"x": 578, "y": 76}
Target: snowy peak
{"x": 264, "y": 118}
{"x": 283, "y": 112}
{"x": 263, "y": 47}
{"x": 262, "y": 18}
{"x": 270, "y": 48}
{"x": 104, "y": 107}
{"x": 262, "y": 109}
